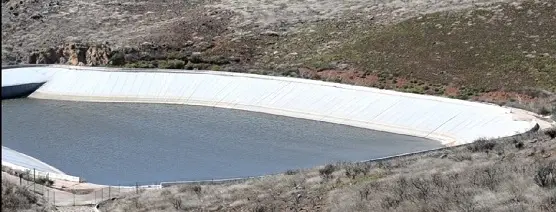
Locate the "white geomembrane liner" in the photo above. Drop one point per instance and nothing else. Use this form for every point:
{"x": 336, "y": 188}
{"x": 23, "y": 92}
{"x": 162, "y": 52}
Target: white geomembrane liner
{"x": 23, "y": 160}
{"x": 449, "y": 121}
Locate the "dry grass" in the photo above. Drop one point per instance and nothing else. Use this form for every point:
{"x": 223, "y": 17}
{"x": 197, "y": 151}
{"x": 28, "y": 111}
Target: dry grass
{"x": 510, "y": 174}
{"x": 18, "y": 198}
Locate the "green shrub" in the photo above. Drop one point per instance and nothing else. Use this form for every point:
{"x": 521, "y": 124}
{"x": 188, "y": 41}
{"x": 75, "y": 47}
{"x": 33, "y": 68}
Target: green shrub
{"x": 16, "y": 197}
{"x": 171, "y": 64}
{"x": 215, "y": 68}
{"x": 117, "y": 59}
{"x": 291, "y": 172}
{"x": 544, "y": 111}
{"x": 44, "y": 181}
{"x": 176, "y": 55}
{"x": 291, "y": 73}
{"x": 481, "y": 145}
{"x": 545, "y": 176}
{"x": 551, "y": 133}
{"x": 338, "y": 80}
{"x": 326, "y": 172}
{"x": 140, "y": 64}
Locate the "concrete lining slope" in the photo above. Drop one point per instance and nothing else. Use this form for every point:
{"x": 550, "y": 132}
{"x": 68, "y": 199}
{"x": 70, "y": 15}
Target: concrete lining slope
{"x": 22, "y": 162}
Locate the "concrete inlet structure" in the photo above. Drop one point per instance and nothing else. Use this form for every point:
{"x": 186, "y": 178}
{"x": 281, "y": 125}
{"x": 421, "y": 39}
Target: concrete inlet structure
{"x": 448, "y": 121}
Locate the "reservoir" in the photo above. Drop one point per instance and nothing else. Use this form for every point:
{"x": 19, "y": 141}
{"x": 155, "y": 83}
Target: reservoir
{"x": 124, "y": 143}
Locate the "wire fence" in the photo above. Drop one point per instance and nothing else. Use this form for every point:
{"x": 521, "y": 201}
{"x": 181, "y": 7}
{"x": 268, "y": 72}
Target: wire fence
{"x": 70, "y": 194}
{"x": 65, "y": 196}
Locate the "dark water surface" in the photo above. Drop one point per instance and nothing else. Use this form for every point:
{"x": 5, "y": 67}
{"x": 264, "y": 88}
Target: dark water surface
{"x": 123, "y": 143}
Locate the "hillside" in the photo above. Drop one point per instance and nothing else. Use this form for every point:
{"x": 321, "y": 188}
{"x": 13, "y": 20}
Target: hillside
{"x": 487, "y": 50}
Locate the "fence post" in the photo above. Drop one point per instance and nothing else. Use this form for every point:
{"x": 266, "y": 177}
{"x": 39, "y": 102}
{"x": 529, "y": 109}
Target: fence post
{"x": 101, "y": 194}
{"x": 109, "y": 192}
{"x": 54, "y": 193}
{"x": 74, "y": 197}
{"x": 95, "y": 197}
{"x": 136, "y": 187}
{"x": 34, "y": 180}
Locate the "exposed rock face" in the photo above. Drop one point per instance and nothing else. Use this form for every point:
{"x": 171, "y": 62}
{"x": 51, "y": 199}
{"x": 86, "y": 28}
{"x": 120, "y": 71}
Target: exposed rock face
{"x": 46, "y": 56}
{"x": 146, "y": 55}
{"x": 98, "y": 55}
{"x": 72, "y": 54}
{"x": 75, "y": 53}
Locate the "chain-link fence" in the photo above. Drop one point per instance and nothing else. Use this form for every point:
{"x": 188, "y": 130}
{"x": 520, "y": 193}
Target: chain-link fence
{"x": 62, "y": 196}
{"x": 59, "y": 195}
{"x": 75, "y": 197}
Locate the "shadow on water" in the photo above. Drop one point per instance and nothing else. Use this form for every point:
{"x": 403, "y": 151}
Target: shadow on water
{"x": 19, "y": 91}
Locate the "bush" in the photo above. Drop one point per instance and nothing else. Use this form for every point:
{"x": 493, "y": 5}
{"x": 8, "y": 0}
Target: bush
{"x": 291, "y": 73}
{"x": 326, "y": 172}
{"x": 44, "y": 181}
{"x": 519, "y": 145}
{"x": 171, "y": 64}
{"x": 545, "y": 175}
{"x": 487, "y": 177}
{"x": 548, "y": 203}
{"x": 481, "y": 145}
{"x": 196, "y": 189}
{"x": 215, "y": 68}
{"x": 291, "y": 172}
{"x": 165, "y": 193}
{"x": 16, "y": 198}
{"x": 551, "y": 133}
{"x": 260, "y": 207}
{"x": 354, "y": 170}
{"x": 140, "y": 64}
{"x": 193, "y": 188}
{"x": 176, "y": 55}
{"x": 176, "y": 202}
{"x": 117, "y": 59}
{"x": 544, "y": 111}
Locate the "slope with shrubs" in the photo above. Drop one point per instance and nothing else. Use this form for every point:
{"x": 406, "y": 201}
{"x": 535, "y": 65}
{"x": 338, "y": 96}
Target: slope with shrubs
{"x": 20, "y": 198}
{"x": 509, "y": 174}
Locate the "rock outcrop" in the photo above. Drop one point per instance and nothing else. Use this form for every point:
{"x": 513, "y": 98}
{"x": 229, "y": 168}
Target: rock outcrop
{"x": 146, "y": 55}
{"x": 72, "y": 54}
